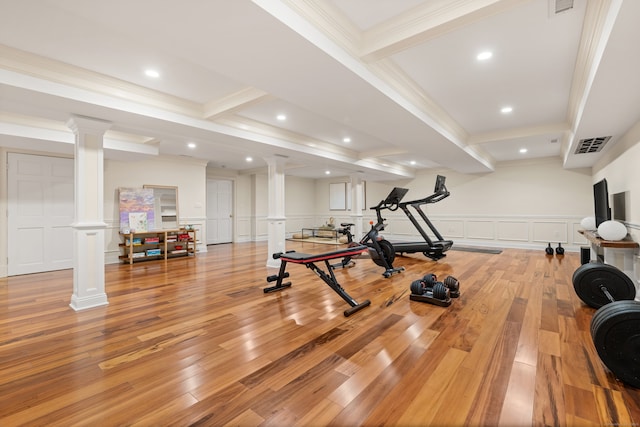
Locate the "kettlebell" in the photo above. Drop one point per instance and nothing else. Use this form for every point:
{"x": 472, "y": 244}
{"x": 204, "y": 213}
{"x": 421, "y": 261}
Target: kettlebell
{"x": 560, "y": 249}
{"x": 549, "y": 250}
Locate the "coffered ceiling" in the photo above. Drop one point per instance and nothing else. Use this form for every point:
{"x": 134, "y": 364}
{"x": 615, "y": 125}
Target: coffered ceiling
{"x": 386, "y": 88}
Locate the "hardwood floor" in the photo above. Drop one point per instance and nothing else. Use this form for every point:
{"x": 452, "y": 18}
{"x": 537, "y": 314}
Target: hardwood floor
{"x": 195, "y": 341}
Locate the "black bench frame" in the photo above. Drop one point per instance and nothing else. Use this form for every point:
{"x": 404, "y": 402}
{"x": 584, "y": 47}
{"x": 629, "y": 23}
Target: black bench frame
{"x": 310, "y": 260}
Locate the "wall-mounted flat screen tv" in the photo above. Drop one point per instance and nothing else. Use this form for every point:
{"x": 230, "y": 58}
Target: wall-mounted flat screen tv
{"x": 601, "y": 202}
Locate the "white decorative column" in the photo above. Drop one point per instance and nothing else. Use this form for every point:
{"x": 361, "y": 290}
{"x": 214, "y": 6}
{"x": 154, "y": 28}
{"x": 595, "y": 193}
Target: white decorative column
{"x": 357, "y": 202}
{"x": 276, "y": 218}
{"x": 89, "y": 225}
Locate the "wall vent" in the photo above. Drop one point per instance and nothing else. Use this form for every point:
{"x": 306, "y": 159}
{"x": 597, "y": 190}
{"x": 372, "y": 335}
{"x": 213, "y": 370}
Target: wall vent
{"x": 592, "y": 145}
{"x": 562, "y": 5}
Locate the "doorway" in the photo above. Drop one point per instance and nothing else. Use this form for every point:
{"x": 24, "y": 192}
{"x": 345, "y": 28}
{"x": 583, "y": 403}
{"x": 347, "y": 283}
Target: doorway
{"x": 219, "y": 211}
{"x": 40, "y": 213}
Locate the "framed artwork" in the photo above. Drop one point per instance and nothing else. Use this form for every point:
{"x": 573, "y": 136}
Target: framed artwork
{"x": 137, "y": 206}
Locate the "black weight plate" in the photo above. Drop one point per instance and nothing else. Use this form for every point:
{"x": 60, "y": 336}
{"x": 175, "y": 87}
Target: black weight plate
{"x": 440, "y": 291}
{"x": 590, "y": 277}
{"x": 452, "y": 283}
{"x": 615, "y": 330}
{"x": 387, "y": 252}
{"x": 417, "y": 287}
{"x": 430, "y": 279}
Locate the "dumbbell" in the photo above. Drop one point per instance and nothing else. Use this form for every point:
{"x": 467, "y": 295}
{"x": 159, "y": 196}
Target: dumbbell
{"x": 436, "y": 290}
{"x": 449, "y": 282}
{"x": 453, "y": 285}
{"x": 430, "y": 280}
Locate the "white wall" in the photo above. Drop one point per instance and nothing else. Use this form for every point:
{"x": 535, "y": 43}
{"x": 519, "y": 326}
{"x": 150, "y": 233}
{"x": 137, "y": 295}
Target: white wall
{"x": 621, "y": 167}
{"x": 522, "y": 204}
{"x": 189, "y": 175}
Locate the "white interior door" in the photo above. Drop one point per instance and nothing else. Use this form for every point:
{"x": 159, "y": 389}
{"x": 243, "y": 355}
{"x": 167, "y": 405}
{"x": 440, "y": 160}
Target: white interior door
{"x": 40, "y": 213}
{"x": 219, "y": 204}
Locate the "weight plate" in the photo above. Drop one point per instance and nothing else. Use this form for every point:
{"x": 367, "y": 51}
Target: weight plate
{"x": 452, "y": 283}
{"x": 590, "y": 279}
{"x": 430, "y": 279}
{"x": 417, "y": 287}
{"x": 440, "y": 291}
{"x": 615, "y": 329}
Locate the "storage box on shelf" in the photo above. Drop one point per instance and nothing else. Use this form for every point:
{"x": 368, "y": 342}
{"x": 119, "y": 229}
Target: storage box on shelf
{"x": 158, "y": 244}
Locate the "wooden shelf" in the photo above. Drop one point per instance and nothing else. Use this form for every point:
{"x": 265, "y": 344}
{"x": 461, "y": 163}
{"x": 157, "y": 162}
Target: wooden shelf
{"x": 593, "y": 237}
{"x": 166, "y": 247}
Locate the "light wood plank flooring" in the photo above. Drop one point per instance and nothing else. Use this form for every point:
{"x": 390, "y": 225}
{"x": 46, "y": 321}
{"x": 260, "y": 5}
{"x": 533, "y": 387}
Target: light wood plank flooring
{"x": 195, "y": 341}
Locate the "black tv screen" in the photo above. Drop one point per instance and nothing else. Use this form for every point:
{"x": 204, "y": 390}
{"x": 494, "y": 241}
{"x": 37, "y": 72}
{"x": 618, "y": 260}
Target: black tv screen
{"x": 601, "y": 202}
{"x": 439, "y": 187}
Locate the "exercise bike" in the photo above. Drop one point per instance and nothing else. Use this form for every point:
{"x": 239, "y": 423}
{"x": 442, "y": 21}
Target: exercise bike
{"x": 380, "y": 250}
{"x": 434, "y": 249}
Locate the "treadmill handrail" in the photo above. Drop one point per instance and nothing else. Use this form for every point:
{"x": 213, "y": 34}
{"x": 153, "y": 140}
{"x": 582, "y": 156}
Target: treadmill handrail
{"x": 434, "y": 198}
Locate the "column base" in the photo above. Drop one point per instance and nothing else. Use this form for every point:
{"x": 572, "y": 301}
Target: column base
{"x": 78, "y": 303}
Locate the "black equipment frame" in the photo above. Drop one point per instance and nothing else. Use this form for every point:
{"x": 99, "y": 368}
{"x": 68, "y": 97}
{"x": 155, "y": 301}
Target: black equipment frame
{"x": 310, "y": 260}
{"x": 434, "y": 249}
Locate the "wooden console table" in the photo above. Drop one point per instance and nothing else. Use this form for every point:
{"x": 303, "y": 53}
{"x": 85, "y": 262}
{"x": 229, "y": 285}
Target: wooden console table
{"x": 593, "y": 237}
{"x": 619, "y": 253}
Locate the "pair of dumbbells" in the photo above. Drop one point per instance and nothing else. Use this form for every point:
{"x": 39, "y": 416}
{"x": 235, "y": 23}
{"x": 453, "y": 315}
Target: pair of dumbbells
{"x": 429, "y": 284}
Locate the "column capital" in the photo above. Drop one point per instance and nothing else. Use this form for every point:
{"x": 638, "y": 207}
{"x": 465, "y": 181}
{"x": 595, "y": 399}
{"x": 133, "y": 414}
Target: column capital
{"x": 88, "y": 124}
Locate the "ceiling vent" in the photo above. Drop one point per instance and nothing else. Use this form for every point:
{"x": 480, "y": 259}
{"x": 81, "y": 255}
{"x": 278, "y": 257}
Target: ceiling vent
{"x": 560, "y": 6}
{"x": 591, "y": 145}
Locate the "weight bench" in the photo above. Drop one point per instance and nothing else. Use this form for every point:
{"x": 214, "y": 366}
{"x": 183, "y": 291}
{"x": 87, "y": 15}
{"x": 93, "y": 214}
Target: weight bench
{"x": 310, "y": 260}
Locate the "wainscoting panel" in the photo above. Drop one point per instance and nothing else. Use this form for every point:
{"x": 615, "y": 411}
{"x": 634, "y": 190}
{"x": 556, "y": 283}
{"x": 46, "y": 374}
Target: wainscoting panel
{"x": 450, "y": 228}
{"x": 243, "y": 229}
{"x": 481, "y": 230}
{"x": 517, "y": 231}
{"x": 474, "y": 230}
{"x": 549, "y": 231}
{"x": 578, "y": 239}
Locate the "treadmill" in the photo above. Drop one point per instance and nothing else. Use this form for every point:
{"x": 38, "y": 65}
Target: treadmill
{"x": 431, "y": 248}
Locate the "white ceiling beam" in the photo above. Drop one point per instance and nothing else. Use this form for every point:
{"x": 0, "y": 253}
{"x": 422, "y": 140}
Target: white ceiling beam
{"x": 429, "y": 20}
{"x": 233, "y": 102}
{"x": 517, "y": 133}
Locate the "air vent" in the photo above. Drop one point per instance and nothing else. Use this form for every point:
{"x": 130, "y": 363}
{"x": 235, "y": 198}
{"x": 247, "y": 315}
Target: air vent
{"x": 563, "y": 5}
{"x": 592, "y": 145}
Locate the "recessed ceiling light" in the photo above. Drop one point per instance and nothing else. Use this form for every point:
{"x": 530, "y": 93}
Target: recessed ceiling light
{"x": 152, "y": 73}
{"x": 327, "y": 172}
{"x": 412, "y": 162}
{"x": 249, "y": 159}
{"x": 191, "y": 145}
{"x": 346, "y": 140}
{"x": 523, "y": 150}
{"x": 506, "y": 110}
{"x": 281, "y": 117}
{"x": 483, "y": 56}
